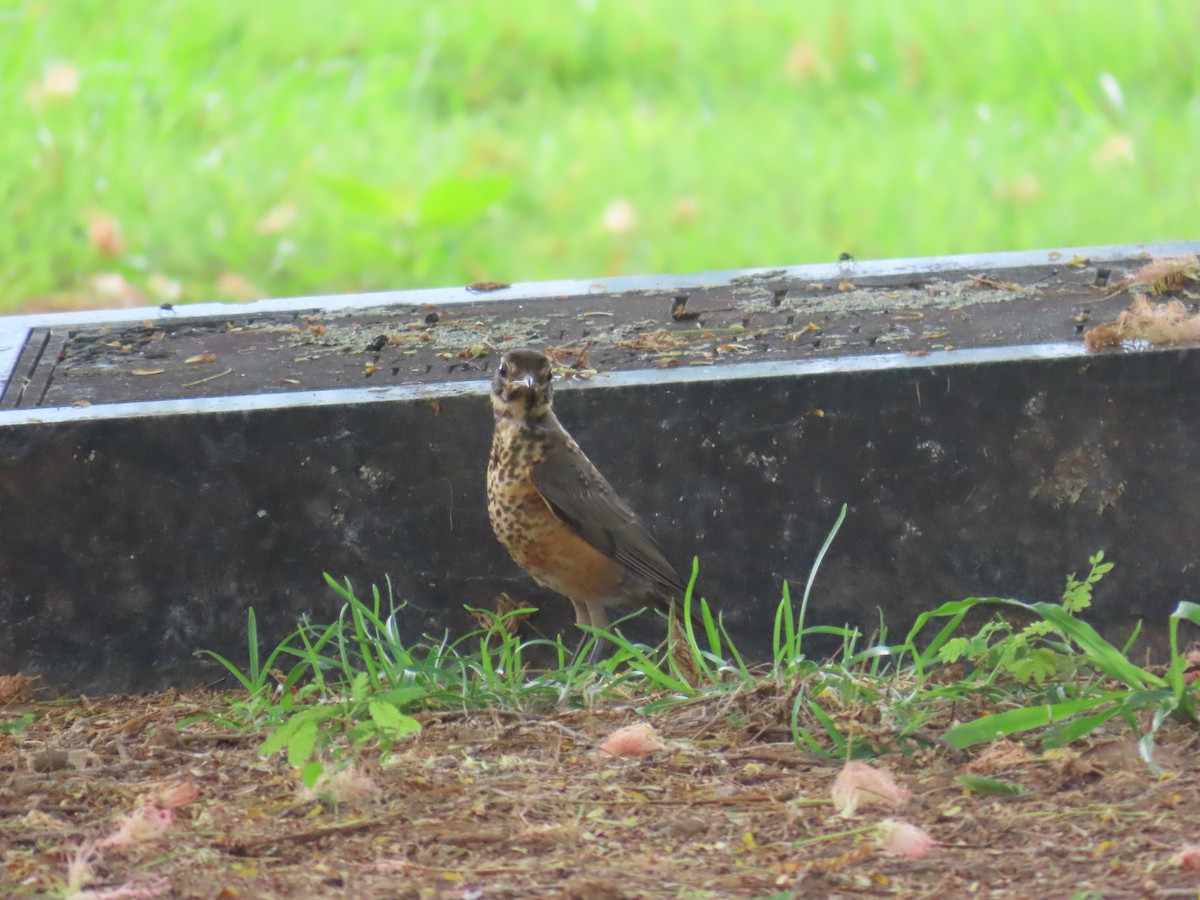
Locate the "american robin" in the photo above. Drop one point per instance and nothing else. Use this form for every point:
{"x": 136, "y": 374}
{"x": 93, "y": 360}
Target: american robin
{"x": 558, "y": 517}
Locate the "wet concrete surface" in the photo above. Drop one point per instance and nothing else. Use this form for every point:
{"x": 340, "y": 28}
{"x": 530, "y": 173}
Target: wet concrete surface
{"x": 133, "y": 539}
{"x": 767, "y": 316}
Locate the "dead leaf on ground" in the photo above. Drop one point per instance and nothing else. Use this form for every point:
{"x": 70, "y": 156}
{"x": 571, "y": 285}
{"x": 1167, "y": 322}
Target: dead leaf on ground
{"x": 59, "y": 82}
{"x": 805, "y": 62}
{"x": 233, "y": 286}
{"x": 104, "y": 233}
{"x": 1001, "y": 756}
{"x": 15, "y": 687}
{"x": 1114, "y": 755}
{"x": 277, "y": 218}
{"x": 656, "y": 341}
{"x": 685, "y": 211}
{"x": 163, "y": 288}
{"x": 1116, "y": 148}
{"x": 619, "y": 217}
{"x": 568, "y": 355}
{"x": 57, "y": 760}
{"x": 114, "y": 290}
{"x": 987, "y": 281}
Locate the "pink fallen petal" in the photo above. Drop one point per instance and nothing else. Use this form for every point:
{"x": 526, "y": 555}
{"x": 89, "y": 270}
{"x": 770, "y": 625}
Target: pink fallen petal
{"x": 81, "y": 866}
{"x": 859, "y": 784}
{"x": 632, "y": 740}
{"x": 146, "y": 823}
{"x": 354, "y": 785}
{"x": 389, "y": 866}
{"x": 350, "y": 785}
{"x": 278, "y": 218}
{"x": 104, "y": 233}
{"x": 903, "y": 839}
{"x": 172, "y": 796}
{"x": 1188, "y": 856}
{"x": 620, "y": 217}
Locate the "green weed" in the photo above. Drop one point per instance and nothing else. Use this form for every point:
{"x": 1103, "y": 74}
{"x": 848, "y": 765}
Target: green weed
{"x": 359, "y": 682}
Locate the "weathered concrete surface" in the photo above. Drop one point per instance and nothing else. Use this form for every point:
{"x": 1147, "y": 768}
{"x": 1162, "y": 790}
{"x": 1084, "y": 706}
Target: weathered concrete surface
{"x": 134, "y": 535}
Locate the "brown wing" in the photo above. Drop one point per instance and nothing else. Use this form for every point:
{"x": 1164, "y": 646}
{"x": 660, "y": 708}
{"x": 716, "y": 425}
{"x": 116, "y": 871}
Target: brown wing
{"x": 580, "y": 496}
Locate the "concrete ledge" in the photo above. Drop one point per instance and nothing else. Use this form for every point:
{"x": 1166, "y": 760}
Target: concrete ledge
{"x": 134, "y": 533}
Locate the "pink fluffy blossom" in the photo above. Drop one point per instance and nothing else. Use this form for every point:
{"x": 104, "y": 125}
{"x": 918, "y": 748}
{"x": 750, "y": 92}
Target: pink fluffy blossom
{"x": 903, "y": 839}
{"x": 859, "y": 784}
{"x": 144, "y": 824}
{"x": 171, "y": 796}
{"x": 632, "y": 740}
{"x": 1188, "y": 856}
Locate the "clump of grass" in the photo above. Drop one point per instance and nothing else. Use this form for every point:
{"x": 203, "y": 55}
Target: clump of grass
{"x": 358, "y": 682}
{"x": 1072, "y": 679}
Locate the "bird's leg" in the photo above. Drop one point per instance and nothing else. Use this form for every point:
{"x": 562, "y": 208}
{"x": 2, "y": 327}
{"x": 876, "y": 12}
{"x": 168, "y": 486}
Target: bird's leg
{"x": 583, "y": 617}
{"x": 598, "y": 619}
{"x": 600, "y": 650}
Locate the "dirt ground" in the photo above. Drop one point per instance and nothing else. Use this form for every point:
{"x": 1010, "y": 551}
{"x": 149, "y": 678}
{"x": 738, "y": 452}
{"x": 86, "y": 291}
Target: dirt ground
{"x": 506, "y": 805}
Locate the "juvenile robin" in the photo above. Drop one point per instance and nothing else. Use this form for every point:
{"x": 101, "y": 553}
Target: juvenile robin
{"x": 558, "y": 517}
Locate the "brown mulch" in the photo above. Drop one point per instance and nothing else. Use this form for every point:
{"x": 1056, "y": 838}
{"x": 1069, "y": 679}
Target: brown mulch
{"x": 506, "y": 805}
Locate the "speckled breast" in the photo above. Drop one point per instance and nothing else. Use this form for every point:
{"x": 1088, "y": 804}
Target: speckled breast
{"x": 538, "y": 541}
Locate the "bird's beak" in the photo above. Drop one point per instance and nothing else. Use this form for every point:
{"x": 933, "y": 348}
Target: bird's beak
{"x": 527, "y": 379}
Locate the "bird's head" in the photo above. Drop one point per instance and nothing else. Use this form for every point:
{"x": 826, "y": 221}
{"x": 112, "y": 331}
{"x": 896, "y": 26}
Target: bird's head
{"x": 521, "y": 386}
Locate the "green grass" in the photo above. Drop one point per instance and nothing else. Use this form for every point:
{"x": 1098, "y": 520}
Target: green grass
{"x": 326, "y": 693}
{"x": 437, "y": 143}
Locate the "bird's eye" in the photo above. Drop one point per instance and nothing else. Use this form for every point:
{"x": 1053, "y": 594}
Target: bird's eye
{"x": 503, "y": 370}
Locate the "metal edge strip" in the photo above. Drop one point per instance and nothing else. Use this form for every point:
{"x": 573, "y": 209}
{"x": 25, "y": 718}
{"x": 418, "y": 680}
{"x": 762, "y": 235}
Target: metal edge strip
{"x": 339, "y": 303}
{"x": 628, "y": 378}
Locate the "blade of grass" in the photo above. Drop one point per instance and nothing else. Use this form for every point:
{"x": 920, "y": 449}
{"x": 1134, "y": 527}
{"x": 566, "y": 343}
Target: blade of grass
{"x": 1015, "y": 721}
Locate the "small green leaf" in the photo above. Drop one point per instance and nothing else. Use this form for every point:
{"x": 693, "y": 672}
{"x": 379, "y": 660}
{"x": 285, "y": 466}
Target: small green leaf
{"x": 456, "y": 201}
{"x": 17, "y": 724}
{"x": 311, "y": 773}
{"x": 360, "y": 686}
{"x": 361, "y": 196}
{"x": 390, "y": 720}
{"x": 303, "y": 740}
{"x": 1187, "y": 610}
{"x": 1037, "y": 665}
{"x": 278, "y": 739}
{"x": 954, "y": 650}
{"x": 981, "y": 785}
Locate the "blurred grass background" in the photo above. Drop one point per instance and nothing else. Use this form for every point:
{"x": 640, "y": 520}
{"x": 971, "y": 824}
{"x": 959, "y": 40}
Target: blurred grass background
{"x": 157, "y": 151}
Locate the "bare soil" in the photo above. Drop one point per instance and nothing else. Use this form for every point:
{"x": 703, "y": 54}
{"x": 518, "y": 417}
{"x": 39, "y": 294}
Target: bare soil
{"x": 503, "y": 805}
